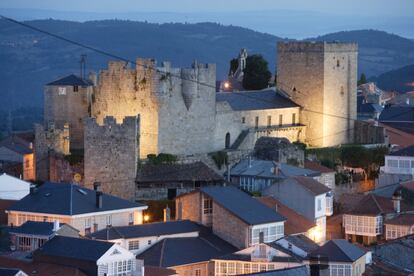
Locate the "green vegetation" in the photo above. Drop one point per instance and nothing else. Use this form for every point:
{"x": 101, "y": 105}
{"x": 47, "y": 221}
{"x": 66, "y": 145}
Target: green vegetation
{"x": 256, "y": 73}
{"x": 162, "y": 158}
{"x": 362, "y": 79}
{"x": 220, "y": 158}
{"x": 234, "y": 64}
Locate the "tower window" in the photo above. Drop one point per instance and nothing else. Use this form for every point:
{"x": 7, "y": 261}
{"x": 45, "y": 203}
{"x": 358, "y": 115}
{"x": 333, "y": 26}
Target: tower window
{"x": 75, "y": 88}
{"x": 269, "y": 121}
{"x": 280, "y": 120}
{"x": 342, "y": 90}
{"x": 257, "y": 122}
{"x": 338, "y": 64}
{"x": 243, "y": 120}
{"x": 293, "y": 118}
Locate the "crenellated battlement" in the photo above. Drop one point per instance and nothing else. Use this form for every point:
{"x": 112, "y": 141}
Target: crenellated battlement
{"x": 316, "y": 46}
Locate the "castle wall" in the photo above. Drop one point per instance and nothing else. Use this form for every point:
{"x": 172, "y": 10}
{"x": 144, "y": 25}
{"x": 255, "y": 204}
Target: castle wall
{"x": 187, "y": 111}
{"x": 122, "y": 92}
{"x": 308, "y": 72}
{"x": 62, "y": 104}
{"x": 111, "y": 155}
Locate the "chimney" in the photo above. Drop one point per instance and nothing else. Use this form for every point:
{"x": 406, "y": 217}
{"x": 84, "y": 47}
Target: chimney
{"x": 276, "y": 207}
{"x": 33, "y": 189}
{"x": 396, "y": 200}
{"x": 276, "y": 169}
{"x": 261, "y": 237}
{"x": 96, "y": 186}
{"x": 98, "y": 199}
{"x": 250, "y": 161}
{"x": 167, "y": 214}
{"x": 56, "y": 225}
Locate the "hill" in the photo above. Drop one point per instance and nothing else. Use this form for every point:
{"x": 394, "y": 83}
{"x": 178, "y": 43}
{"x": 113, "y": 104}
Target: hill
{"x": 30, "y": 59}
{"x": 401, "y": 80}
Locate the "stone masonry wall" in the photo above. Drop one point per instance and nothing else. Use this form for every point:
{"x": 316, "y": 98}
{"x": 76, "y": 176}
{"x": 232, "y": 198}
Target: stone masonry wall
{"x": 111, "y": 155}
{"x": 189, "y": 207}
{"x": 230, "y": 228}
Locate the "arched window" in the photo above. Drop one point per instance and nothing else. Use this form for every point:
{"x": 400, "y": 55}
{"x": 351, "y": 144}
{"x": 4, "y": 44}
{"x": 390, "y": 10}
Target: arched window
{"x": 227, "y": 145}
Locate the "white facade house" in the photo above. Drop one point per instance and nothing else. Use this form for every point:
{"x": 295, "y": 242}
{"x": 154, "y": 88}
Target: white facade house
{"x": 398, "y": 165}
{"x": 12, "y": 188}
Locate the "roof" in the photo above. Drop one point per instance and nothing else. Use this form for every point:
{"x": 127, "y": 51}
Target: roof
{"x": 69, "y": 199}
{"x": 179, "y": 251}
{"x": 12, "y": 187}
{"x": 397, "y": 113}
{"x": 315, "y": 166}
{"x": 242, "y": 205}
{"x": 16, "y": 144}
{"x": 71, "y": 80}
{"x": 266, "y": 169}
{"x": 296, "y": 223}
{"x": 146, "y": 230}
{"x": 339, "y": 251}
{"x": 291, "y": 271}
{"x": 197, "y": 171}
{"x": 302, "y": 242}
{"x": 310, "y": 184}
{"x": 34, "y": 269}
{"x": 255, "y": 100}
{"x": 402, "y": 219}
{"x": 408, "y": 185}
{"x": 398, "y": 137}
{"x": 34, "y": 228}
{"x": 75, "y": 248}
{"x": 9, "y": 271}
{"x": 408, "y": 151}
{"x": 374, "y": 205}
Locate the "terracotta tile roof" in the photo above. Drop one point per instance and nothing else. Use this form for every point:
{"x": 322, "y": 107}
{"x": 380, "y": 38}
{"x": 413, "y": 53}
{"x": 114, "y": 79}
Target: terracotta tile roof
{"x": 314, "y": 166}
{"x": 408, "y": 185}
{"x": 197, "y": 171}
{"x": 34, "y": 268}
{"x": 349, "y": 201}
{"x": 398, "y": 137}
{"x": 295, "y": 223}
{"x": 373, "y": 205}
{"x": 311, "y": 184}
{"x": 403, "y": 219}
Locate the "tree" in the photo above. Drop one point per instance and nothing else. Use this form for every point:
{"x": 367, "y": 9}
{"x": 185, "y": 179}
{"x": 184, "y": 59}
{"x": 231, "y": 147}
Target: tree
{"x": 234, "y": 64}
{"x": 256, "y": 74}
{"x": 362, "y": 79}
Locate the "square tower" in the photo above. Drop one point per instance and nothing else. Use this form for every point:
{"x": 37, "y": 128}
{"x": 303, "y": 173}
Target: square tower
{"x": 322, "y": 78}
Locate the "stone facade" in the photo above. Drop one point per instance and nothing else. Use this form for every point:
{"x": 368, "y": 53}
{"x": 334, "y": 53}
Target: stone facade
{"x": 111, "y": 155}
{"x": 189, "y": 207}
{"x": 279, "y": 150}
{"x": 230, "y": 228}
{"x": 322, "y": 78}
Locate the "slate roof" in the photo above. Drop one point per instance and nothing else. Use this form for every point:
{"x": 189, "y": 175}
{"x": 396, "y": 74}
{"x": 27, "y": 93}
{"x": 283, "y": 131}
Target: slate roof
{"x": 16, "y": 144}
{"x": 310, "y": 184}
{"x": 296, "y": 223}
{"x": 146, "y": 230}
{"x": 339, "y": 251}
{"x": 197, "y": 171}
{"x": 292, "y": 271}
{"x": 402, "y": 219}
{"x": 265, "y": 169}
{"x": 69, "y": 199}
{"x": 9, "y": 271}
{"x": 408, "y": 151}
{"x": 72, "y": 80}
{"x": 374, "y": 205}
{"x": 34, "y": 228}
{"x": 75, "y": 248}
{"x": 179, "y": 251}
{"x": 302, "y": 242}
{"x": 255, "y": 100}
{"x": 397, "y": 113}
{"x": 242, "y": 205}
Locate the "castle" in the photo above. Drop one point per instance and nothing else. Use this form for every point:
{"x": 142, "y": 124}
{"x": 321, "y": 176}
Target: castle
{"x": 178, "y": 111}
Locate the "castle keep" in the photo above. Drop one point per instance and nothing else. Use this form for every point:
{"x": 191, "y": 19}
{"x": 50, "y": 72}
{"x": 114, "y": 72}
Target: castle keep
{"x": 124, "y": 113}
{"x": 322, "y": 78}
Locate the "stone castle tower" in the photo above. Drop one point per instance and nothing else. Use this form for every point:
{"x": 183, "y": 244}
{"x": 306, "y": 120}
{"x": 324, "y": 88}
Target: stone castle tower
{"x": 322, "y": 78}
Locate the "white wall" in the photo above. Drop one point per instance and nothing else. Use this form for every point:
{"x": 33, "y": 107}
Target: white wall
{"x": 12, "y": 188}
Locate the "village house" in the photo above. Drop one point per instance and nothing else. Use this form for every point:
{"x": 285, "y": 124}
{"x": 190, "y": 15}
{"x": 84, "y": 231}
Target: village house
{"x": 13, "y": 188}
{"x": 166, "y": 181}
{"x": 138, "y": 238}
{"x": 16, "y": 150}
{"x": 365, "y": 222}
{"x": 255, "y": 175}
{"x": 186, "y": 255}
{"x": 300, "y": 245}
{"x": 33, "y": 234}
{"x": 327, "y": 175}
{"x": 92, "y": 257}
{"x": 399, "y": 226}
{"x": 306, "y": 196}
{"x": 84, "y": 209}
{"x": 232, "y": 214}
{"x": 295, "y": 223}
{"x": 399, "y": 166}
{"x": 338, "y": 257}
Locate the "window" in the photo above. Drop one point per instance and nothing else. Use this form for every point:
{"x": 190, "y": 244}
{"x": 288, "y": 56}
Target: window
{"x": 149, "y": 242}
{"x": 270, "y": 233}
{"x": 340, "y": 269}
{"x": 75, "y": 88}
{"x": 342, "y": 90}
{"x": 197, "y": 272}
{"x": 319, "y": 204}
{"x": 392, "y": 163}
{"x": 280, "y": 120}
{"x": 131, "y": 218}
{"x": 109, "y": 220}
{"x": 404, "y": 164}
{"x": 338, "y": 64}
{"x": 293, "y": 118}
{"x": 243, "y": 120}
{"x": 269, "y": 121}
{"x": 227, "y": 141}
{"x": 207, "y": 206}
{"x": 123, "y": 268}
{"x": 133, "y": 245}
{"x": 61, "y": 91}
{"x": 256, "y": 123}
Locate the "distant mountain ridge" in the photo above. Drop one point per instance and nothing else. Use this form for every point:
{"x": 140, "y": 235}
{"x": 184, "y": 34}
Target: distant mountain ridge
{"x": 401, "y": 79}
{"x": 29, "y": 59}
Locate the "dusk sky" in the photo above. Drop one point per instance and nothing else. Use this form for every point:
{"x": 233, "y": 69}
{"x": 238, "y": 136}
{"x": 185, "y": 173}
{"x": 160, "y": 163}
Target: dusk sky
{"x": 293, "y": 19}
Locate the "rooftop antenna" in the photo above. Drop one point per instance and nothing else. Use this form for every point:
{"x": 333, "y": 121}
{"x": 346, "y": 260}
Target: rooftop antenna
{"x": 83, "y": 66}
